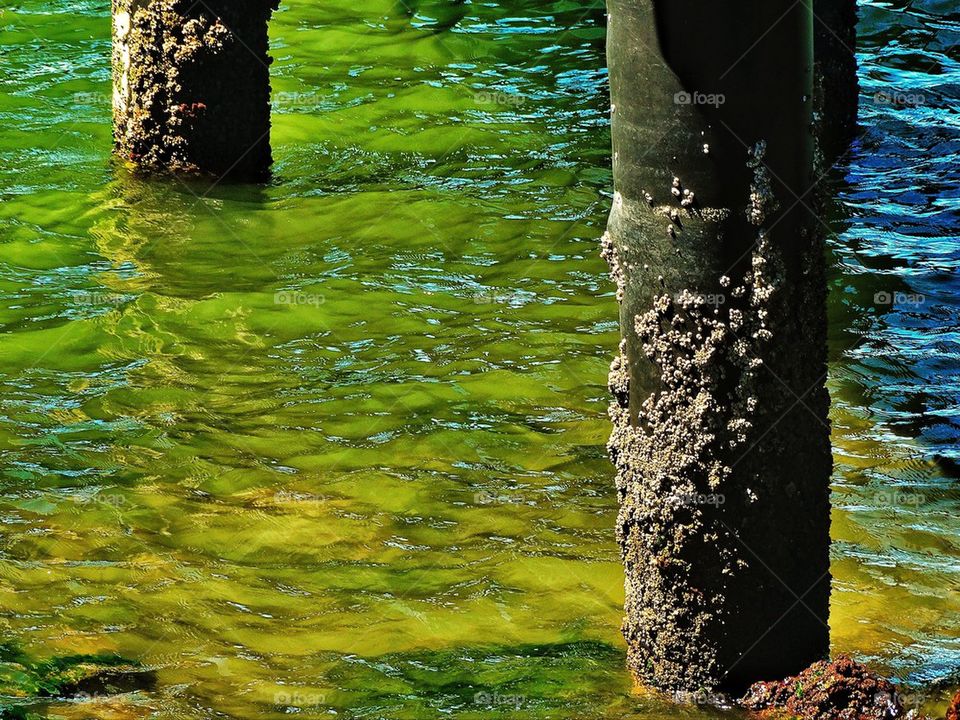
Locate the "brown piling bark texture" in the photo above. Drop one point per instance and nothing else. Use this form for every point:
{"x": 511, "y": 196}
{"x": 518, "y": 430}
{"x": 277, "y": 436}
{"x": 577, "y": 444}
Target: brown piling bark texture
{"x": 192, "y": 86}
{"x": 720, "y": 439}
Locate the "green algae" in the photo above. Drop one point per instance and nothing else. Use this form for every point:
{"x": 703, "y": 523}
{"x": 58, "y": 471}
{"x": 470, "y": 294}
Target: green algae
{"x": 26, "y": 681}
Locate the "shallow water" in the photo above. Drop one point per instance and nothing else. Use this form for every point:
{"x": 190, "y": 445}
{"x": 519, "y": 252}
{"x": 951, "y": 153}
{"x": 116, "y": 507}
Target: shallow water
{"x": 334, "y": 446}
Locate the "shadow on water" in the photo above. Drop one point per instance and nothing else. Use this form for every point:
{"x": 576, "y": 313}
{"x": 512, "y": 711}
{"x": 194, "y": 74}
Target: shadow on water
{"x": 29, "y": 685}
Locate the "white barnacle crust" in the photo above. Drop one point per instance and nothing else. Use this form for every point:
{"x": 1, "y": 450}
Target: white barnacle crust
{"x": 684, "y": 441}
{"x": 763, "y": 202}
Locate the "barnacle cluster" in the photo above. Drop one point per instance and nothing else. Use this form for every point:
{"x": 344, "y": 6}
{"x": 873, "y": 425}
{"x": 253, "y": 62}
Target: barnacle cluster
{"x": 683, "y": 440}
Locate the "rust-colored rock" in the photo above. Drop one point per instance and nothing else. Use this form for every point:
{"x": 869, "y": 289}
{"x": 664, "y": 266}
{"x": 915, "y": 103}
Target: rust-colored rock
{"x": 842, "y": 689}
{"x": 953, "y": 712}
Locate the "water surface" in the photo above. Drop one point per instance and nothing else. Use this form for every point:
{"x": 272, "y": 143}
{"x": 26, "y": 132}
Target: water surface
{"x": 334, "y": 446}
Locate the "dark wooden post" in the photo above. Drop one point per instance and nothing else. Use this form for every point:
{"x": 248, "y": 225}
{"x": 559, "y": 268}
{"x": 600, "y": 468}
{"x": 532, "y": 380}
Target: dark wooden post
{"x": 721, "y": 439}
{"x": 837, "y": 86}
{"x": 192, "y": 86}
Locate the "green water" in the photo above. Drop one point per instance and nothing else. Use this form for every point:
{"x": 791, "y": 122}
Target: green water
{"x": 334, "y": 447}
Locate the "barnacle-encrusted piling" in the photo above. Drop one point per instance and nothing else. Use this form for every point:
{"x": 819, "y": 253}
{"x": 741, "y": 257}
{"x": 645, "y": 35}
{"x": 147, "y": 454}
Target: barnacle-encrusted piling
{"x": 721, "y": 439}
{"x": 191, "y": 86}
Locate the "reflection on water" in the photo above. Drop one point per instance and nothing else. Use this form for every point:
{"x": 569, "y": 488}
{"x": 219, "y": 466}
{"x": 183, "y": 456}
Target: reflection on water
{"x": 896, "y": 376}
{"x": 336, "y": 444}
